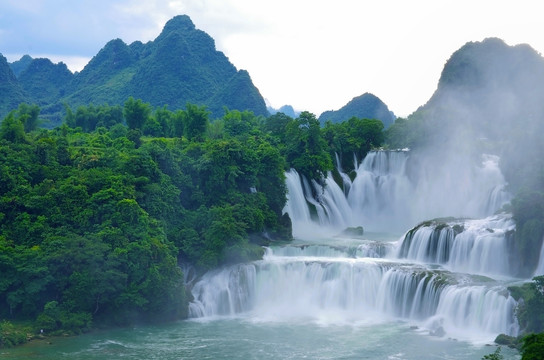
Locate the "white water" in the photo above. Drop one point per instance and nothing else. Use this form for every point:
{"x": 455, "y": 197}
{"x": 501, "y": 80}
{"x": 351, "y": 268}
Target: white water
{"x": 481, "y": 247}
{"x": 338, "y": 285}
{"x": 391, "y": 193}
{"x": 448, "y": 283}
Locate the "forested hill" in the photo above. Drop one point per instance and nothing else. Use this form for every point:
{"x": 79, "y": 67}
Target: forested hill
{"x": 181, "y": 65}
{"x": 366, "y": 106}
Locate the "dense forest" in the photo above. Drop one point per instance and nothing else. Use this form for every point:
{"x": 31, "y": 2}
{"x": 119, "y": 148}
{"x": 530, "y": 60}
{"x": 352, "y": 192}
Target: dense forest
{"x": 97, "y": 215}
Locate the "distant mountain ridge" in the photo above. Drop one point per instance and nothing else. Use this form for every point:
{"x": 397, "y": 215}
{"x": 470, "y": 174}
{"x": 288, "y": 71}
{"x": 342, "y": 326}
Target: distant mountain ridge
{"x": 180, "y": 66}
{"x": 286, "y": 109}
{"x": 366, "y": 106}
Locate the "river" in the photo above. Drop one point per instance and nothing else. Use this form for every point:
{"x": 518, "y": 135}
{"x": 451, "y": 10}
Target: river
{"x": 247, "y": 338}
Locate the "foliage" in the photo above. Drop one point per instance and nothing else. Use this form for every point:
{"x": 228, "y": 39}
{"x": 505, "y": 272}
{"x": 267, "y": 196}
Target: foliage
{"x": 355, "y": 137}
{"x": 195, "y": 121}
{"x": 12, "y": 335}
{"x": 28, "y": 114}
{"x": 136, "y": 113}
{"x": 496, "y": 355}
{"x": 12, "y": 129}
{"x": 305, "y": 148}
{"x": 11, "y": 90}
{"x": 94, "y": 217}
{"x": 533, "y": 347}
{"x": 406, "y": 133}
{"x": 530, "y": 310}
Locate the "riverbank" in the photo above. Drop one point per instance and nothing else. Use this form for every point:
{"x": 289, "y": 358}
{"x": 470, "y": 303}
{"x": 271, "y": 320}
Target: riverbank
{"x": 13, "y": 334}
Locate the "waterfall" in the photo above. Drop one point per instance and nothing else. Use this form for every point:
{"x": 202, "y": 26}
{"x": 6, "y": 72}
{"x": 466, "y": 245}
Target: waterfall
{"x": 448, "y": 277}
{"x": 473, "y": 246}
{"x": 390, "y": 192}
{"x": 328, "y": 284}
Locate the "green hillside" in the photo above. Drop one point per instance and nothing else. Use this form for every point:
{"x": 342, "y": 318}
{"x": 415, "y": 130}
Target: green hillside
{"x": 180, "y": 66}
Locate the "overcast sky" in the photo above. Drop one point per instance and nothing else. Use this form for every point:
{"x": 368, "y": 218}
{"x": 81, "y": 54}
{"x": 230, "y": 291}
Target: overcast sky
{"x": 314, "y": 55}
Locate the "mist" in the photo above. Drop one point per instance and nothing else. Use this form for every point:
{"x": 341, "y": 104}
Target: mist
{"x": 490, "y": 100}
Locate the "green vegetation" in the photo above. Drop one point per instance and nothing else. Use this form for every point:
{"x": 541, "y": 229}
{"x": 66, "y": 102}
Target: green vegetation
{"x": 355, "y": 137}
{"x": 533, "y": 347}
{"x": 530, "y": 311}
{"x": 496, "y": 355}
{"x": 94, "y": 217}
{"x": 12, "y": 335}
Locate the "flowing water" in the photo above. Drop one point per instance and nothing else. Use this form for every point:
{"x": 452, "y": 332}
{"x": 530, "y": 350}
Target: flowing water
{"x": 435, "y": 292}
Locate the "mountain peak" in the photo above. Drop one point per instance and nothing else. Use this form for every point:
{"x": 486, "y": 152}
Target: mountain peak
{"x": 20, "y": 65}
{"x": 490, "y": 62}
{"x": 178, "y": 23}
{"x": 367, "y": 106}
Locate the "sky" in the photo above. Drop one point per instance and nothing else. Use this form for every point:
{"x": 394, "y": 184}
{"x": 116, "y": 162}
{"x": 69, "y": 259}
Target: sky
{"x": 315, "y": 55}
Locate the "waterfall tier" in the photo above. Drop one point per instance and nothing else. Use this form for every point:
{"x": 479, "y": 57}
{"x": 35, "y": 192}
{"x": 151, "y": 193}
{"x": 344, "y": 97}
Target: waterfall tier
{"x": 474, "y": 246}
{"x": 390, "y": 192}
{"x": 326, "y": 285}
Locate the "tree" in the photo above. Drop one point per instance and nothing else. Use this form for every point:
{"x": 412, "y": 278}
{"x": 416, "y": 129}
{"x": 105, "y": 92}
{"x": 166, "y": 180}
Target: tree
{"x": 276, "y": 125}
{"x": 70, "y": 118}
{"x": 28, "y": 114}
{"x": 12, "y": 129}
{"x": 306, "y": 150}
{"x": 533, "y": 347}
{"x": 239, "y": 122}
{"x": 535, "y": 305}
{"x": 195, "y": 121}
{"x": 136, "y": 113}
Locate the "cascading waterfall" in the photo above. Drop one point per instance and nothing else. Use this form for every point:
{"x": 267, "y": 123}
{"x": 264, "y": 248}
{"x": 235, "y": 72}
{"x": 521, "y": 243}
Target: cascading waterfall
{"x": 383, "y": 196}
{"x": 327, "y": 284}
{"x": 438, "y": 276}
{"x": 473, "y": 246}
